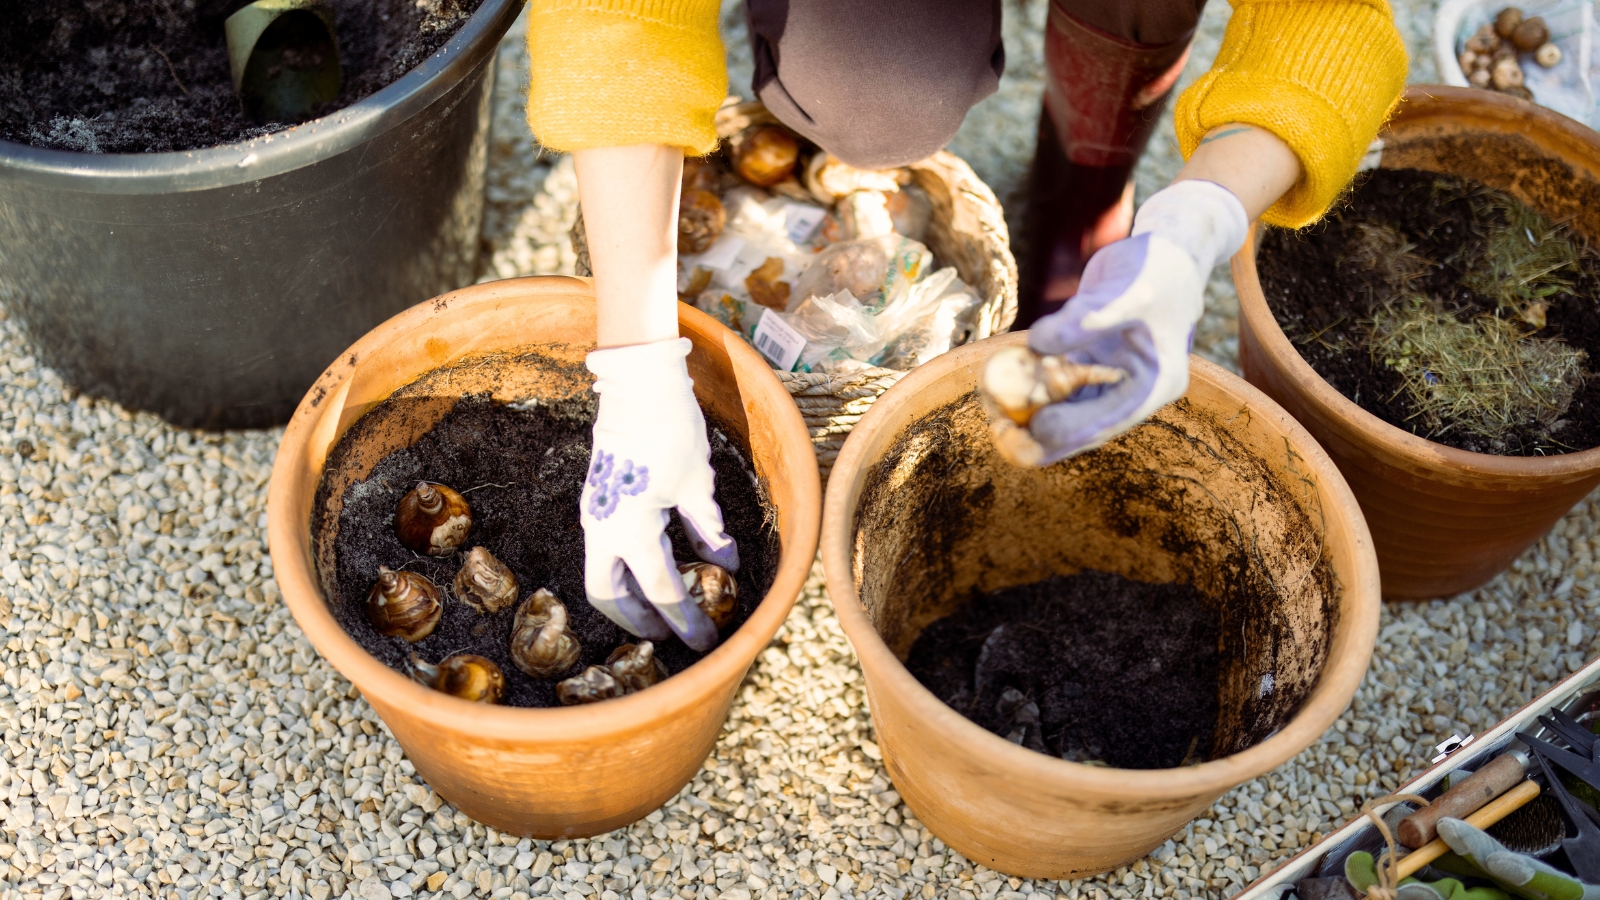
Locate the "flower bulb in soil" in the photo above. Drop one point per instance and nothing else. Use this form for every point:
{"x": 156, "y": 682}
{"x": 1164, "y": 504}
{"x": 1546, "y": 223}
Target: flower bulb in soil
{"x": 541, "y": 643}
{"x": 466, "y": 676}
{"x": 432, "y": 519}
{"x": 531, "y": 461}
{"x": 635, "y": 666}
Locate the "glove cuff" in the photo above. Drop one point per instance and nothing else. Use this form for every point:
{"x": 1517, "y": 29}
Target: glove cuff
{"x": 1202, "y": 217}
{"x": 642, "y": 370}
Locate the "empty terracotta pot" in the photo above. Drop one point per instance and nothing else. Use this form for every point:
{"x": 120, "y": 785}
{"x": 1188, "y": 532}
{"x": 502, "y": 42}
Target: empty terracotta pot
{"x": 564, "y": 772}
{"x": 1443, "y": 520}
{"x": 1221, "y": 490}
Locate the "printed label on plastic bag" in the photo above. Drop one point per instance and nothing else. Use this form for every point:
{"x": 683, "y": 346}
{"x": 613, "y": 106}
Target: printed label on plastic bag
{"x": 777, "y": 340}
{"x": 800, "y": 220}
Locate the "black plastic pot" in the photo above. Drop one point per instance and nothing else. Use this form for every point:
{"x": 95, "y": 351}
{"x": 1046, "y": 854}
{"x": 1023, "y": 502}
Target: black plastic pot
{"x": 213, "y": 286}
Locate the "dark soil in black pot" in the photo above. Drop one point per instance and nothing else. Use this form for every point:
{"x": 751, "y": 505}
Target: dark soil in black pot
{"x": 521, "y": 469}
{"x": 145, "y": 76}
{"x": 1448, "y": 309}
{"x": 1090, "y": 667}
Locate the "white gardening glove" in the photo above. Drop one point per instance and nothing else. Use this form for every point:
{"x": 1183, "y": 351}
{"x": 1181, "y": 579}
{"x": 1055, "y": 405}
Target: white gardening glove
{"x": 1135, "y": 310}
{"x": 650, "y": 455}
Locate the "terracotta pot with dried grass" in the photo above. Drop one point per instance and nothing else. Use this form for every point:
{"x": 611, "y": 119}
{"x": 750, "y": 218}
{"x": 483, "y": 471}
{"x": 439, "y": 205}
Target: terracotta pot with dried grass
{"x": 1443, "y": 520}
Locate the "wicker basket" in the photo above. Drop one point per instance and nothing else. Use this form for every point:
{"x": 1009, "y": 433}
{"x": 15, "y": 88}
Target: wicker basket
{"x": 967, "y": 230}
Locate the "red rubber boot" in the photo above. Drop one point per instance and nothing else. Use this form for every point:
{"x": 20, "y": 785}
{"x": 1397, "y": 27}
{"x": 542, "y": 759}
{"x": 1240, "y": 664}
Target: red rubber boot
{"x": 1103, "y": 96}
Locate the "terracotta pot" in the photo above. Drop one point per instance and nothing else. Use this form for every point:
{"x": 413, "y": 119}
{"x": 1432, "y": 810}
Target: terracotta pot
{"x": 1443, "y": 520}
{"x": 565, "y": 772}
{"x": 1222, "y": 490}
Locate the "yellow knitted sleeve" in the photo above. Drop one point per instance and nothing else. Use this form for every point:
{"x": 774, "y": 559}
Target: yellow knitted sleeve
{"x": 608, "y": 73}
{"x": 1322, "y": 75}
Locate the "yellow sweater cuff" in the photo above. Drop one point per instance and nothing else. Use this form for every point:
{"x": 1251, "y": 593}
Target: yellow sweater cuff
{"x": 1322, "y": 75}
{"x": 609, "y": 73}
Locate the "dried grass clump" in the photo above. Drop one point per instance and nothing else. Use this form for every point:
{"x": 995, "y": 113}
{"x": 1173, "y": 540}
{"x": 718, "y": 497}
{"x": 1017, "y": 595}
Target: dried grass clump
{"x": 1485, "y": 377}
{"x": 1525, "y": 261}
{"x": 1385, "y": 250}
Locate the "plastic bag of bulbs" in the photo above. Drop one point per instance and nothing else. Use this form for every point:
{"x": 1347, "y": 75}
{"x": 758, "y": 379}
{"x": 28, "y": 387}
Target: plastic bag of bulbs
{"x": 818, "y": 264}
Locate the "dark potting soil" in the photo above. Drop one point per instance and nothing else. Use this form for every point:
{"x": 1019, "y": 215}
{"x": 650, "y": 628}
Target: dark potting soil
{"x": 1324, "y": 298}
{"x": 522, "y": 471}
{"x": 145, "y": 76}
{"x": 1084, "y": 667}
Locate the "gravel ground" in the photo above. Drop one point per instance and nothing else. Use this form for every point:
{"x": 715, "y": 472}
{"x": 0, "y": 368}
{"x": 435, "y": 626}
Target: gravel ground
{"x": 168, "y": 731}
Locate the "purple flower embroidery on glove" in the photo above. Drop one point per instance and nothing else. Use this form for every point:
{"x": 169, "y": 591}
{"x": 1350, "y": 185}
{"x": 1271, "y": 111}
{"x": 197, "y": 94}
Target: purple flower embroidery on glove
{"x": 631, "y": 479}
{"x": 600, "y": 468}
{"x": 602, "y": 501}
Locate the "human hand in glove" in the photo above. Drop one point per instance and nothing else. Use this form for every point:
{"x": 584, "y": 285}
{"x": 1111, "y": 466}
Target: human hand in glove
{"x": 650, "y": 451}
{"x": 1135, "y": 311}
{"x": 650, "y": 456}
{"x": 1139, "y": 298}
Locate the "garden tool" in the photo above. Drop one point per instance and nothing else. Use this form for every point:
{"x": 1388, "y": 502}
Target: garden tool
{"x": 1536, "y": 829}
{"x": 284, "y": 58}
{"x": 1479, "y": 788}
{"x": 1492, "y": 812}
{"x": 1583, "y": 850}
{"x": 1570, "y": 730}
{"x": 1362, "y": 872}
{"x": 1522, "y": 875}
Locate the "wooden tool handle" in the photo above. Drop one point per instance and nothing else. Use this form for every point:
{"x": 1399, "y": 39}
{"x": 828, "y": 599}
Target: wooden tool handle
{"x": 1483, "y": 818}
{"x": 1480, "y": 787}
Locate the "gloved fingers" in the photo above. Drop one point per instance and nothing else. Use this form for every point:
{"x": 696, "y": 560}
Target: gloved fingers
{"x": 606, "y": 586}
{"x": 702, "y": 519}
{"x": 1512, "y": 868}
{"x": 1074, "y": 426}
{"x": 652, "y": 564}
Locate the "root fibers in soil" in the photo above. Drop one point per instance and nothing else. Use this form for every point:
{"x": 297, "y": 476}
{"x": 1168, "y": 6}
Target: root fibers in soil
{"x": 147, "y": 76}
{"x": 1085, "y": 667}
{"x": 522, "y": 471}
{"x": 1328, "y": 285}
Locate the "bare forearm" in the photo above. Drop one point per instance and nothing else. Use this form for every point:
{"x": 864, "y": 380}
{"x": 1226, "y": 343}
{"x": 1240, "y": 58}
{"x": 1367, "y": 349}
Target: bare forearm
{"x": 629, "y": 197}
{"x": 1251, "y": 162}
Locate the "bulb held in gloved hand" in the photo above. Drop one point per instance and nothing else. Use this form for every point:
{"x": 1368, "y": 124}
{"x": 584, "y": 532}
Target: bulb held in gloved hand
{"x": 1020, "y": 382}
{"x": 700, "y": 221}
{"x": 713, "y": 589}
{"x": 595, "y": 684}
{"x": 466, "y": 676}
{"x": 635, "y": 667}
{"x": 484, "y": 583}
{"x": 432, "y": 519}
{"x": 766, "y": 156}
{"x": 404, "y": 605}
{"x": 541, "y": 643}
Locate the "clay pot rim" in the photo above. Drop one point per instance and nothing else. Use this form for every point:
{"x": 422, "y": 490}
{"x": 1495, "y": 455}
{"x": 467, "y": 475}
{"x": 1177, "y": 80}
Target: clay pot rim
{"x": 294, "y": 569}
{"x": 1340, "y": 676}
{"x": 1415, "y": 450}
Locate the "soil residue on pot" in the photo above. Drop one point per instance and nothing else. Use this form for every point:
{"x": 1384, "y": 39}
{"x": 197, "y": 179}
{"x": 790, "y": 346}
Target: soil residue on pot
{"x": 1213, "y": 645}
{"x": 1448, "y": 309}
{"x": 522, "y": 469}
{"x": 123, "y": 76}
{"x": 1089, "y": 667}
